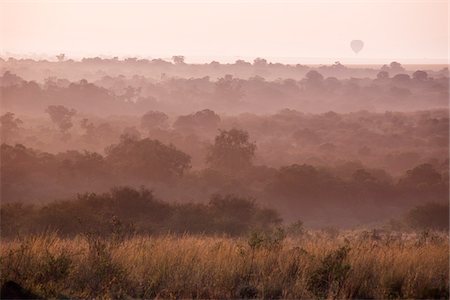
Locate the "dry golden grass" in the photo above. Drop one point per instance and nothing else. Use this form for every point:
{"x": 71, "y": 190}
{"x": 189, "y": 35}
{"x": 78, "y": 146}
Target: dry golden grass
{"x": 351, "y": 265}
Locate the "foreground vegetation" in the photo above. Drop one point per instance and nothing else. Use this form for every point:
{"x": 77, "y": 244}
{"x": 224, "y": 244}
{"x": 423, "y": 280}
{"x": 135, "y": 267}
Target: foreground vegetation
{"x": 126, "y": 211}
{"x": 270, "y": 265}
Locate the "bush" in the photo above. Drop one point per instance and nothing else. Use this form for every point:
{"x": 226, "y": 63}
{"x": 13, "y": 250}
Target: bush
{"x": 125, "y": 211}
{"x": 432, "y": 216}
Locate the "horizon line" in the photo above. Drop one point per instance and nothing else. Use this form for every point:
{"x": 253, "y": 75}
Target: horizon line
{"x": 230, "y": 59}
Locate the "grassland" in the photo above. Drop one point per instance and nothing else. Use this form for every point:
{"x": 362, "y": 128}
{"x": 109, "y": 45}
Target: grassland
{"x": 310, "y": 265}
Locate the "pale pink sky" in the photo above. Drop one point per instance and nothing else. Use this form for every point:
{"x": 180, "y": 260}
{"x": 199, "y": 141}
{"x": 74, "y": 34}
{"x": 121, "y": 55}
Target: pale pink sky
{"x": 412, "y": 31}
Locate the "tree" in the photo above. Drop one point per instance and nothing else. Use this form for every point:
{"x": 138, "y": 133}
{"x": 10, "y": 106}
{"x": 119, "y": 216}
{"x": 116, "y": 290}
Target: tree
{"x": 10, "y": 79}
{"x": 241, "y": 62}
{"x": 228, "y": 89}
{"x": 86, "y": 125}
{"x": 154, "y": 119}
{"x": 295, "y": 181}
{"x": 338, "y": 66}
{"x": 205, "y": 119}
{"x": 61, "y": 116}
{"x": 178, "y": 59}
{"x": 313, "y": 76}
{"x": 314, "y": 81}
{"x": 420, "y": 75}
{"x": 86, "y": 166}
{"x": 131, "y": 94}
{"x": 130, "y": 133}
{"x": 147, "y": 159}
{"x": 100, "y": 134}
{"x": 232, "y": 151}
{"x": 429, "y": 216}
{"x": 10, "y": 125}
{"x": 396, "y": 67}
{"x": 362, "y": 176}
{"x": 61, "y": 57}
{"x": 236, "y": 215}
{"x": 420, "y": 176}
{"x": 260, "y": 62}
{"x": 332, "y": 84}
{"x": 383, "y": 75}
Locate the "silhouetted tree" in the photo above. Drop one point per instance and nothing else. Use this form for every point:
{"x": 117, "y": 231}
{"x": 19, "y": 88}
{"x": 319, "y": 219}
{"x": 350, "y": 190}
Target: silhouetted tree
{"x": 394, "y": 67}
{"x": 421, "y": 176}
{"x": 178, "y": 59}
{"x": 228, "y": 89}
{"x": 314, "y": 76}
{"x": 429, "y": 216}
{"x": 420, "y": 75}
{"x": 61, "y": 116}
{"x": 296, "y": 180}
{"x": 383, "y": 75}
{"x": 401, "y": 78}
{"x": 154, "y": 119}
{"x": 61, "y": 57}
{"x": 9, "y": 79}
{"x": 130, "y": 133}
{"x": 260, "y": 62}
{"x": 232, "y": 151}
{"x": 86, "y": 125}
{"x": 204, "y": 119}
{"x": 10, "y": 126}
{"x": 147, "y": 159}
{"x": 332, "y": 84}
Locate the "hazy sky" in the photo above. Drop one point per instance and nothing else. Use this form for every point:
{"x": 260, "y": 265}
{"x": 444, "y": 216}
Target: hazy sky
{"x": 408, "y": 31}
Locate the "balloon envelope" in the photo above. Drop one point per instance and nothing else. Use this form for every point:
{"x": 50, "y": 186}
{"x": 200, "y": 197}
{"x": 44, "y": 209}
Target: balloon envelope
{"x": 357, "y": 45}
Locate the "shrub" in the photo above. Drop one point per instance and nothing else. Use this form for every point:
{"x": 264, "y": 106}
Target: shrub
{"x": 429, "y": 216}
{"x": 126, "y": 211}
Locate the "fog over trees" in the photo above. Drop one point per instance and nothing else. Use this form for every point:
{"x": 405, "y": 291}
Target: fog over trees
{"x": 330, "y": 145}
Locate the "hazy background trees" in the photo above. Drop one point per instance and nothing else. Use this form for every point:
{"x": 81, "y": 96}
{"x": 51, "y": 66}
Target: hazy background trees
{"x": 331, "y": 145}
{"x": 154, "y": 119}
{"x": 61, "y": 116}
{"x": 147, "y": 159}
{"x": 232, "y": 151}
{"x": 10, "y": 126}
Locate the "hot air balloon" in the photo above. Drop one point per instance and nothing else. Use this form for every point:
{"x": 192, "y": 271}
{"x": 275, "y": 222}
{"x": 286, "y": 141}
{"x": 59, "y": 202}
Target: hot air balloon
{"x": 357, "y": 45}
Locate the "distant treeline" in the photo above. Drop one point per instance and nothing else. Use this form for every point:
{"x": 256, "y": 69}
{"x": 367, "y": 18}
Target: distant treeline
{"x": 313, "y": 92}
{"x": 93, "y": 67}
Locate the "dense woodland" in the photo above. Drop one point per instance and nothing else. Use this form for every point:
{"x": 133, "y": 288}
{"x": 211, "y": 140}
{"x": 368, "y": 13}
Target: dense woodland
{"x": 127, "y": 87}
{"x": 328, "y": 145}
